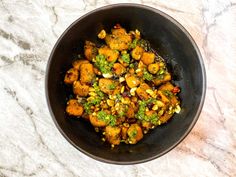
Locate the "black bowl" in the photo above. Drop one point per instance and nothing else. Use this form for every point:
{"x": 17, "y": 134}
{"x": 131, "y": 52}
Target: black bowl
{"x": 170, "y": 40}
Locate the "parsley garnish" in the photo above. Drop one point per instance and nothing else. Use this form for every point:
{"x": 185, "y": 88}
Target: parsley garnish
{"x": 144, "y": 44}
{"x": 133, "y": 44}
{"x": 147, "y": 75}
{"x": 108, "y": 118}
{"x": 168, "y": 93}
{"x": 112, "y": 86}
{"x": 125, "y": 57}
{"x": 141, "y": 112}
{"x": 102, "y": 64}
{"x": 97, "y": 89}
{"x": 134, "y": 133}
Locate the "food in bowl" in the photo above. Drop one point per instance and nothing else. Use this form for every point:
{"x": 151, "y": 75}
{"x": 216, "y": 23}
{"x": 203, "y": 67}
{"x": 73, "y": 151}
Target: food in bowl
{"x": 122, "y": 87}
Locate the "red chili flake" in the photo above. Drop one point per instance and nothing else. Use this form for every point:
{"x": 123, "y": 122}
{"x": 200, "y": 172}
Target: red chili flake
{"x": 176, "y": 90}
{"x": 113, "y": 69}
{"x": 117, "y": 26}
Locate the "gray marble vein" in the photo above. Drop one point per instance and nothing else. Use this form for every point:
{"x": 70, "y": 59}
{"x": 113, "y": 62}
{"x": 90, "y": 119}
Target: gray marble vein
{"x": 30, "y": 144}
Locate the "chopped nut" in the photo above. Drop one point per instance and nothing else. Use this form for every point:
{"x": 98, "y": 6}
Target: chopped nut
{"x": 149, "y": 91}
{"x": 177, "y": 109}
{"x": 107, "y": 75}
{"x": 132, "y": 91}
{"x": 137, "y": 32}
{"x": 155, "y": 107}
{"x": 91, "y": 89}
{"x": 122, "y": 100}
{"x": 79, "y": 99}
{"x": 94, "y": 60}
{"x": 126, "y": 125}
{"x": 112, "y": 97}
{"x": 127, "y": 75}
{"x": 92, "y": 94}
{"x": 138, "y": 70}
{"x": 141, "y": 65}
{"x": 90, "y": 98}
{"x": 152, "y": 93}
{"x": 161, "y": 112}
{"x": 125, "y": 100}
{"x": 110, "y": 102}
{"x": 159, "y": 103}
{"x": 122, "y": 89}
{"x": 102, "y": 34}
{"x": 117, "y": 106}
{"x": 121, "y": 79}
{"x": 170, "y": 110}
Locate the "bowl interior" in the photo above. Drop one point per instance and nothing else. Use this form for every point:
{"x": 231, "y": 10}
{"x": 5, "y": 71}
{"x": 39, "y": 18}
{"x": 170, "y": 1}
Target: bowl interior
{"x": 169, "y": 39}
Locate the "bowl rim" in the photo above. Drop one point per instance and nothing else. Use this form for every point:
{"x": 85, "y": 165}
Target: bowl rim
{"x": 168, "y": 17}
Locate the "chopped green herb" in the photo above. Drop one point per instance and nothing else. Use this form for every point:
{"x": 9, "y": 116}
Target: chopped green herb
{"x": 118, "y": 96}
{"x": 121, "y": 113}
{"x": 96, "y": 101}
{"x": 112, "y": 86}
{"x": 133, "y": 134}
{"x": 97, "y": 89}
{"x": 153, "y": 118}
{"x": 102, "y": 115}
{"x": 160, "y": 77}
{"x": 144, "y": 44}
{"x": 125, "y": 57}
{"x": 131, "y": 65}
{"x": 147, "y": 75}
{"x": 133, "y": 44}
{"x": 87, "y": 107}
{"x": 161, "y": 71}
{"x": 112, "y": 120}
{"x": 108, "y": 118}
{"x": 123, "y": 110}
{"x": 102, "y": 64}
{"x": 168, "y": 93}
{"x": 141, "y": 112}
{"x": 150, "y": 100}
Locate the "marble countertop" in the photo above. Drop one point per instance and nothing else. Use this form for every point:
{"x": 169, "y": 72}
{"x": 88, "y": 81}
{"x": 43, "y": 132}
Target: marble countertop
{"x": 31, "y": 145}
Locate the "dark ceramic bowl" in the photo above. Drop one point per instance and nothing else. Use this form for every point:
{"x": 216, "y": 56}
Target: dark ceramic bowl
{"x": 170, "y": 40}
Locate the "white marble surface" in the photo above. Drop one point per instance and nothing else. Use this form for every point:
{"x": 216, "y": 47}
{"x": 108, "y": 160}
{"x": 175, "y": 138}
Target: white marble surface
{"x": 31, "y": 145}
